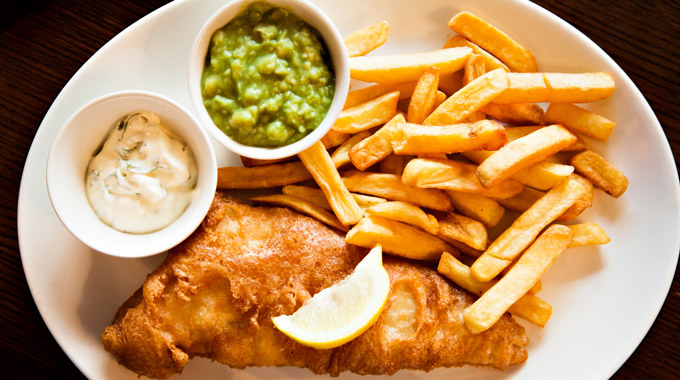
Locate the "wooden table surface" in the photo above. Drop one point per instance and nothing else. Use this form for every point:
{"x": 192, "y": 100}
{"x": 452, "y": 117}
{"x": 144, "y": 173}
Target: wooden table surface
{"x": 43, "y": 43}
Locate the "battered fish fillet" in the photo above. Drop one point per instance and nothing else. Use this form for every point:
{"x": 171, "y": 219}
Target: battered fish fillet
{"x": 215, "y": 295}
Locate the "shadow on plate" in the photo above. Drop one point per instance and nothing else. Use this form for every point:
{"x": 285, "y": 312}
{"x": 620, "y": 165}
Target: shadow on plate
{"x": 110, "y": 281}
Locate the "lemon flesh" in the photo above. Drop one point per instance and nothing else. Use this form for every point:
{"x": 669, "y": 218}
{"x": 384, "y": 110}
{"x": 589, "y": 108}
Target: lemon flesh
{"x": 342, "y": 312}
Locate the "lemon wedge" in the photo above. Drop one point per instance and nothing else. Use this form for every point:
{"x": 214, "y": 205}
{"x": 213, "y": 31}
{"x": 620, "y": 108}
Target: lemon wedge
{"x": 342, "y": 312}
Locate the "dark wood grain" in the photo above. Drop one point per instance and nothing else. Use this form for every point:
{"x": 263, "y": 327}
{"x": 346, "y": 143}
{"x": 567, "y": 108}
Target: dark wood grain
{"x": 43, "y": 43}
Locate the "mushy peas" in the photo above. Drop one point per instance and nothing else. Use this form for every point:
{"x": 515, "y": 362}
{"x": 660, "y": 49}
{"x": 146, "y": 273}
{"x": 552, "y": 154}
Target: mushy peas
{"x": 268, "y": 79}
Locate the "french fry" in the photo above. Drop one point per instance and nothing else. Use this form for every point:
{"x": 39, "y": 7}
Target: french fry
{"x": 419, "y": 139}
{"x": 450, "y": 83}
{"x": 258, "y": 177}
{"x": 525, "y": 88}
{"x": 439, "y": 98}
{"x": 317, "y": 197}
{"x": 469, "y": 99}
{"x": 334, "y": 138}
{"x": 406, "y": 67}
{"x": 250, "y": 162}
{"x": 463, "y": 229}
{"x": 515, "y": 133}
{"x": 493, "y": 40}
{"x": 390, "y": 186}
{"x": 478, "y": 207}
{"x": 582, "y": 203}
{"x": 578, "y": 146}
{"x": 459, "y": 273}
{"x": 362, "y": 95}
{"x": 588, "y": 234}
{"x": 310, "y": 194}
{"x": 538, "y": 286}
{"x": 474, "y": 68}
{"x": 580, "y": 120}
{"x": 376, "y": 147}
{"x": 522, "y": 153}
{"x": 454, "y": 175}
{"x": 510, "y": 288}
{"x": 303, "y": 207}
{"x": 468, "y": 252}
{"x": 544, "y": 175}
{"x": 528, "y": 306}
{"x": 522, "y": 201}
{"x": 424, "y": 96}
{"x": 319, "y": 164}
{"x": 393, "y": 164}
{"x": 367, "y": 115}
{"x": 600, "y": 172}
{"x": 557, "y": 87}
{"x": 366, "y": 201}
{"x": 367, "y": 39}
{"x": 535, "y": 289}
{"x": 340, "y": 156}
{"x": 407, "y": 213}
{"x": 516, "y": 113}
{"x": 525, "y": 228}
{"x": 397, "y": 238}
{"x": 491, "y": 62}
{"x": 476, "y": 116}
{"x": 532, "y": 308}
{"x": 478, "y": 156}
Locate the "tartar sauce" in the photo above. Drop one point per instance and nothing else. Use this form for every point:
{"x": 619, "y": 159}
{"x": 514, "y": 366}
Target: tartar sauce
{"x": 143, "y": 178}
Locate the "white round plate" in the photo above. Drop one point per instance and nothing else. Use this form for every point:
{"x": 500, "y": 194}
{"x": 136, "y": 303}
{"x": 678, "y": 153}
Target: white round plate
{"x": 604, "y": 298}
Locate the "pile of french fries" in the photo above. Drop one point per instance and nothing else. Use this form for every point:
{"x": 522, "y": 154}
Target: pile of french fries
{"x": 439, "y": 147}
